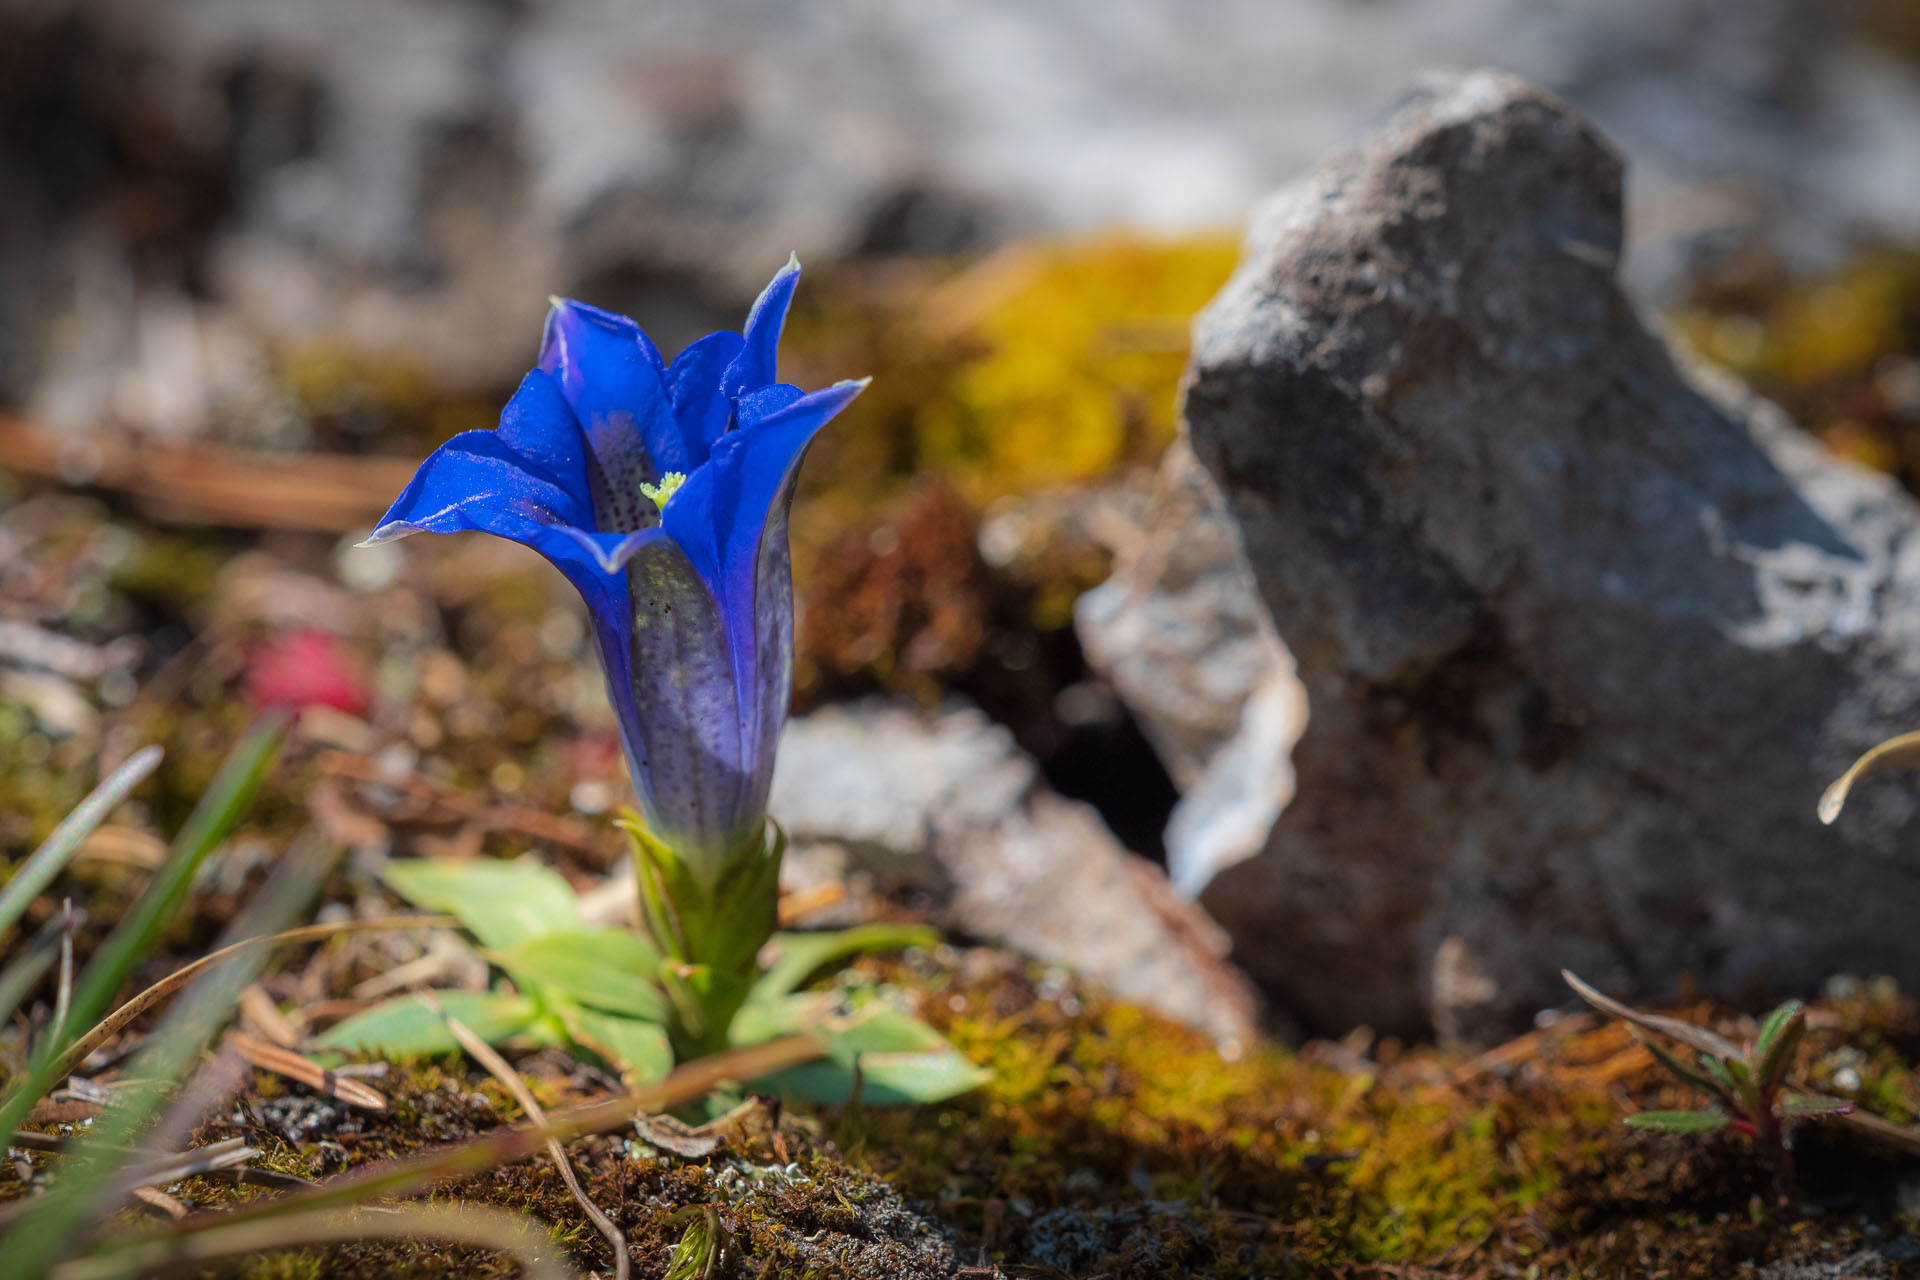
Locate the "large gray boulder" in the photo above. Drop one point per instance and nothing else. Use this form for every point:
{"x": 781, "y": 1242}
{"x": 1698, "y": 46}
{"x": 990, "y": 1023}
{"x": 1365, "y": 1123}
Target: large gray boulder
{"x": 1583, "y": 632}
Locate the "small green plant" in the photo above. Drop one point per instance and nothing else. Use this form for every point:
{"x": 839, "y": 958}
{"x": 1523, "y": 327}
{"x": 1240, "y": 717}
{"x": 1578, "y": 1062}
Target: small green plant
{"x": 611, "y": 992}
{"x": 1748, "y": 1083}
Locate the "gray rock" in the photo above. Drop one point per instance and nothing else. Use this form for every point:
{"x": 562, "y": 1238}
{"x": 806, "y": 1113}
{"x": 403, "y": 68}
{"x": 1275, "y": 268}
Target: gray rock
{"x": 1583, "y": 633}
{"x": 947, "y": 799}
{"x": 1180, "y": 633}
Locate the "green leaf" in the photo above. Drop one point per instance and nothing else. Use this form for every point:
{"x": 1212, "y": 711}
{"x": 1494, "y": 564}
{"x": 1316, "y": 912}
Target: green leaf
{"x": 902, "y": 1060}
{"x": 760, "y": 1020}
{"x": 1679, "y": 1121}
{"x": 500, "y": 903}
{"x": 1727, "y": 1074}
{"x": 639, "y": 1048}
{"x": 405, "y": 1026}
{"x": 1806, "y": 1106}
{"x": 798, "y": 956}
{"x": 1772, "y": 1051}
{"x": 608, "y": 969}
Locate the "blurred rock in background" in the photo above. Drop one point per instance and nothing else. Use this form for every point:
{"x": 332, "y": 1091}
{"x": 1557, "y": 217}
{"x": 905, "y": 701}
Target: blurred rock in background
{"x": 188, "y": 184}
{"x": 1583, "y": 634}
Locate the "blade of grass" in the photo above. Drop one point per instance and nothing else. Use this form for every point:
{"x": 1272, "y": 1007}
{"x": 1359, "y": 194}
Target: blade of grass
{"x": 107, "y": 1027}
{"x": 100, "y": 1180}
{"x": 39, "y": 870}
{"x": 516, "y": 1235}
{"x": 210, "y": 822}
{"x": 213, "y": 999}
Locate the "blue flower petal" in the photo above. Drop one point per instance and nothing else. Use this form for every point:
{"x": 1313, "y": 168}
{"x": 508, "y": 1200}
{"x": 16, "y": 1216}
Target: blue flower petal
{"x": 568, "y": 319}
{"x": 765, "y": 402}
{"x": 538, "y": 424}
{"x": 758, "y": 358}
{"x": 610, "y": 551}
{"x": 479, "y": 482}
{"x": 610, "y": 374}
{"x": 693, "y": 384}
{"x": 730, "y": 518}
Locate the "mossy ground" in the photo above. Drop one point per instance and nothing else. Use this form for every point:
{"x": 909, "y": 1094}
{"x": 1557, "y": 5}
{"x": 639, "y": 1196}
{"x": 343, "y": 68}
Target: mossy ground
{"x": 1114, "y": 1143}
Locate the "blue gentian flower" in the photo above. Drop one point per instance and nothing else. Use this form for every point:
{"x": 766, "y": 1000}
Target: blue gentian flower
{"x": 661, "y": 491}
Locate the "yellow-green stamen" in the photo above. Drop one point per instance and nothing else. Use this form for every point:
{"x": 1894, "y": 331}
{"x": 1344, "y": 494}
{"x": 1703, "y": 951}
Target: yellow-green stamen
{"x": 658, "y": 494}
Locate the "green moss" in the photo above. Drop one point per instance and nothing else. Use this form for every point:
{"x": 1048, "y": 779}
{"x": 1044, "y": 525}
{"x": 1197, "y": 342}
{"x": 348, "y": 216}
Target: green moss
{"x": 1113, "y": 1141}
{"x": 1048, "y": 363}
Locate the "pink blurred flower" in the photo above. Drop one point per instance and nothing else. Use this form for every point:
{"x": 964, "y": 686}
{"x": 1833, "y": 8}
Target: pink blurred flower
{"x": 304, "y": 668}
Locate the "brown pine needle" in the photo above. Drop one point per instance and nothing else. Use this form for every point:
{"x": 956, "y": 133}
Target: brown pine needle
{"x": 284, "y": 1062}
{"x": 795, "y": 907}
{"x": 412, "y": 1175}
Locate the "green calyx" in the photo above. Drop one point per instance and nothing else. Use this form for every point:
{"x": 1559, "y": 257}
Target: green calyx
{"x": 709, "y": 934}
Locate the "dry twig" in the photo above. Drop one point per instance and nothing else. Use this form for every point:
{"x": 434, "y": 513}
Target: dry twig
{"x": 208, "y": 484}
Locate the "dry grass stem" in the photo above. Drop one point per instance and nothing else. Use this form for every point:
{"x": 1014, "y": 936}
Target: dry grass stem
{"x": 510, "y": 1080}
